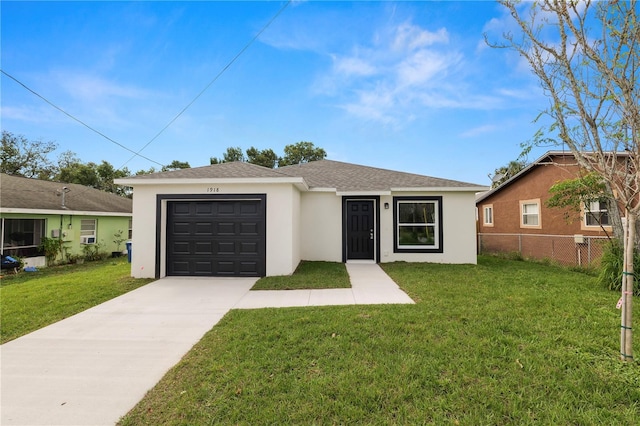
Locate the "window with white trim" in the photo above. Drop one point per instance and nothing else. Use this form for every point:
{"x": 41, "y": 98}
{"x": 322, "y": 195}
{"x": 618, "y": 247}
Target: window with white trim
{"x": 487, "y": 215}
{"x": 530, "y": 214}
{"x": 88, "y": 231}
{"x": 418, "y": 224}
{"x": 596, "y": 214}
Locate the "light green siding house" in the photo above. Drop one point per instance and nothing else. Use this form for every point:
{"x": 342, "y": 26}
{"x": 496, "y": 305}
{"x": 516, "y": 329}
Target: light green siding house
{"x": 82, "y": 217}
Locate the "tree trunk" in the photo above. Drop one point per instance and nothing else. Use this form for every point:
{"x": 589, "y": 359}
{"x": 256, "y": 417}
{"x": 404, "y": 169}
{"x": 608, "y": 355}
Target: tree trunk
{"x": 626, "y": 336}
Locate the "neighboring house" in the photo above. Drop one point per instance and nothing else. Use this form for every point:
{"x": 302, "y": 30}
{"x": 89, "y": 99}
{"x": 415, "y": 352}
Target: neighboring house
{"x": 31, "y": 209}
{"x": 236, "y": 219}
{"x": 514, "y": 216}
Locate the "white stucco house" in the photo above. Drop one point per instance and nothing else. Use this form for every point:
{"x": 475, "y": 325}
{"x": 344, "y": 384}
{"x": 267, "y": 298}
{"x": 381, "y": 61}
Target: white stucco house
{"x": 240, "y": 219}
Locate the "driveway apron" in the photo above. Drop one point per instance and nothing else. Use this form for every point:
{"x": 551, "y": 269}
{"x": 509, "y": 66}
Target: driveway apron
{"x": 92, "y": 368}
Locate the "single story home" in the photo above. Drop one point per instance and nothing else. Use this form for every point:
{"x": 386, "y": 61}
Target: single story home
{"x": 31, "y": 209}
{"x": 515, "y": 218}
{"x": 241, "y": 219}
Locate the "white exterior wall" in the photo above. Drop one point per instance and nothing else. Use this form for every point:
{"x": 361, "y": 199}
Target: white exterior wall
{"x": 321, "y": 226}
{"x": 458, "y": 228}
{"x": 281, "y": 239}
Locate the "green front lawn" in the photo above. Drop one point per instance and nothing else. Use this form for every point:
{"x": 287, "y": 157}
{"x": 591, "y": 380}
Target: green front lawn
{"x": 501, "y": 342}
{"x": 32, "y": 300}
{"x": 308, "y": 275}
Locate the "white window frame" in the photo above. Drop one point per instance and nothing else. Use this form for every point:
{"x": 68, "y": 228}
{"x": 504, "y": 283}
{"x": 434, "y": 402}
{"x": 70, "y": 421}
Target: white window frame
{"x": 525, "y": 215}
{"x": 487, "y": 215}
{"x": 88, "y": 233}
{"x": 588, "y": 209}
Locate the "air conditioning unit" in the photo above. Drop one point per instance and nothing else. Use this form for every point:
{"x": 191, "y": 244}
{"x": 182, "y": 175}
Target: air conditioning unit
{"x": 88, "y": 239}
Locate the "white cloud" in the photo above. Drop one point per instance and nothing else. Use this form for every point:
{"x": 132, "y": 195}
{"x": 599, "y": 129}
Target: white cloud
{"x": 91, "y": 88}
{"x": 353, "y": 66}
{"x": 409, "y": 37}
{"x": 424, "y": 67}
{"x": 480, "y": 130}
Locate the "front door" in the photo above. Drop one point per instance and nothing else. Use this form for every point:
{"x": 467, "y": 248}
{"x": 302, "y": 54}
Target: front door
{"x": 360, "y": 229}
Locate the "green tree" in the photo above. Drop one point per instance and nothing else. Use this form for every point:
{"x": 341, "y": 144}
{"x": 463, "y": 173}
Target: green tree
{"x": 232, "y": 154}
{"x": 586, "y": 56}
{"x": 22, "y": 157}
{"x": 573, "y": 194}
{"x": 504, "y": 173}
{"x": 99, "y": 176}
{"x": 265, "y": 158}
{"x": 301, "y": 152}
{"x": 176, "y": 165}
{"x": 107, "y": 173}
{"x": 72, "y": 170}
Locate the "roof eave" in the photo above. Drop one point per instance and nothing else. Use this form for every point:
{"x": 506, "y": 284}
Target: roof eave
{"x": 12, "y": 210}
{"x": 473, "y": 189}
{"x": 195, "y": 181}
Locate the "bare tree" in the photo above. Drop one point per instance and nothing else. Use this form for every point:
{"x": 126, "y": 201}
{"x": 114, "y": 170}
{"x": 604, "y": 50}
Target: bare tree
{"x": 586, "y": 57}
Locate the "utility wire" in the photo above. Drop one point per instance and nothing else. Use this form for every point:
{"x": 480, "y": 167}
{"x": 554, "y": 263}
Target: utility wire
{"x": 222, "y": 71}
{"x": 137, "y": 153}
{"x": 74, "y": 118}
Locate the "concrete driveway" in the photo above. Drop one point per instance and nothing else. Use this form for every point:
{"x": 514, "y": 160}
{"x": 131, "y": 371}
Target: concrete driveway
{"x": 92, "y": 368}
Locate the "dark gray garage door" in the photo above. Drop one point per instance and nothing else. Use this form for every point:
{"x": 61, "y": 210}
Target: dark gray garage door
{"x": 216, "y": 238}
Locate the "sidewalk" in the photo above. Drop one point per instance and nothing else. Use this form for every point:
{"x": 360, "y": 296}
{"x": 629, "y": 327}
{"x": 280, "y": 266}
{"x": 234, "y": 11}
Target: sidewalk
{"x": 92, "y": 368}
{"x": 369, "y": 286}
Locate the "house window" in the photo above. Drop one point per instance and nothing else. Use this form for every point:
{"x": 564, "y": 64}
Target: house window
{"x": 130, "y": 234}
{"x": 21, "y": 237}
{"x": 596, "y": 214}
{"x": 418, "y": 224}
{"x": 88, "y": 231}
{"x": 487, "y": 215}
{"x": 530, "y": 214}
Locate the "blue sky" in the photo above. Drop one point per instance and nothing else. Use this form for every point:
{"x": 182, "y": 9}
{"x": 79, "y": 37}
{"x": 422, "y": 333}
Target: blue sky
{"x": 407, "y": 86}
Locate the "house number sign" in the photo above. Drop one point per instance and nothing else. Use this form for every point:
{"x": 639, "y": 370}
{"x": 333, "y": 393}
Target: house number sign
{"x": 213, "y": 189}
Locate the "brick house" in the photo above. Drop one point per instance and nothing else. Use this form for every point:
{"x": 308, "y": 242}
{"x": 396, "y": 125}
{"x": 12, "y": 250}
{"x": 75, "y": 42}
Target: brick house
{"x": 514, "y": 216}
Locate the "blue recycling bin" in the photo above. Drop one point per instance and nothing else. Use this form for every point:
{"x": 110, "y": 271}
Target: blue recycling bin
{"x": 128, "y": 244}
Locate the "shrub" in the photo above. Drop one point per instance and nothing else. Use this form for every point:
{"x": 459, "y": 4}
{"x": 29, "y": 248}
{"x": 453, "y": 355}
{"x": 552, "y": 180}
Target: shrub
{"x": 52, "y": 247}
{"x": 611, "y": 267}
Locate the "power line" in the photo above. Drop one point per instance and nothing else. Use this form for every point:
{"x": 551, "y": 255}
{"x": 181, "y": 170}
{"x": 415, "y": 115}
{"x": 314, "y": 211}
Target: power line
{"x": 76, "y": 119}
{"x": 182, "y": 111}
{"x": 222, "y": 71}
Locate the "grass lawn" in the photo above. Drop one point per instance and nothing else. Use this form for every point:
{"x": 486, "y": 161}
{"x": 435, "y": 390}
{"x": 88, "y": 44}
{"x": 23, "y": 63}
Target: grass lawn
{"x": 501, "y": 342}
{"x": 307, "y": 275}
{"x": 32, "y": 300}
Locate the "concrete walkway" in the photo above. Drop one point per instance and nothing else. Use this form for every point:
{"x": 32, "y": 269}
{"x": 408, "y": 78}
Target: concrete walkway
{"x": 92, "y": 368}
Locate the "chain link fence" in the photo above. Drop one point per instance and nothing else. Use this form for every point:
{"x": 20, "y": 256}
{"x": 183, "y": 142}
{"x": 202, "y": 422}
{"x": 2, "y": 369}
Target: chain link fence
{"x": 568, "y": 250}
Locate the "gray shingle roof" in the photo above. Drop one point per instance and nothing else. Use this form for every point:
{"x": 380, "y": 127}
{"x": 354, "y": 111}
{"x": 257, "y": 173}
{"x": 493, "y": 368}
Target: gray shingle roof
{"x": 24, "y": 193}
{"x": 317, "y": 174}
{"x": 353, "y": 177}
{"x": 216, "y": 171}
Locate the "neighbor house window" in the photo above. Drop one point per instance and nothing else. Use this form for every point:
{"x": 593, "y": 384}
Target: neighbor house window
{"x": 487, "y": 215}
{"x": 596, "y": 214}
{"x": 21, "y": 237}
{"x": 88, "y": 231}
{"x": 418, "y": 224}
{"x": 530, "y": 214}
{"x": 130, "y": 234}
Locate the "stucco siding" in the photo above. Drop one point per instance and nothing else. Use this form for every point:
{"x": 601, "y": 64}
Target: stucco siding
{"x": 321, "y": 226}
{"x": 458, "y": 230}
{"x": 281, "y": 209}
